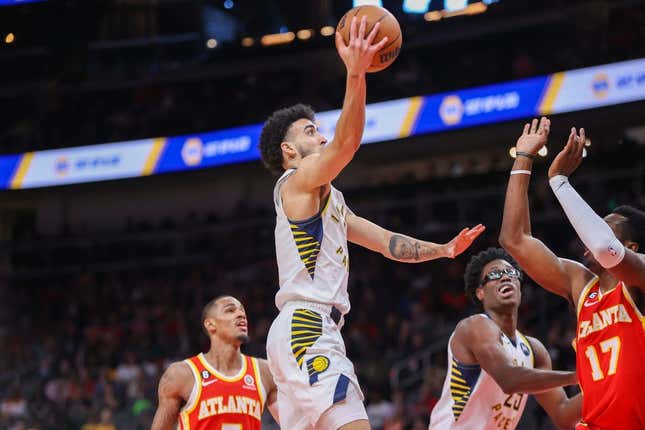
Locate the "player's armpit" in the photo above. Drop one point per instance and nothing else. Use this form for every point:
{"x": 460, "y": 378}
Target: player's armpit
{"x": 272, "y": 404}
{"x": 631, "y": 270}
{"x": 270, "y": 388}
{"x": 170, "y": 392}
{"x": 483, "y": 337}
{"x": 564, "y": 412}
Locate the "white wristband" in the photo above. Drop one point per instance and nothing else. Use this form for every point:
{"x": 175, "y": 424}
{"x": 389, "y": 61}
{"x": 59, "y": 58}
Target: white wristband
{"x": 520, "y": 172}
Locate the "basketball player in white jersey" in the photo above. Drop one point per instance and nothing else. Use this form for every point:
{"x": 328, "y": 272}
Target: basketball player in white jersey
{"x": 491, "y": 365}
{"x": 317, "y": 386}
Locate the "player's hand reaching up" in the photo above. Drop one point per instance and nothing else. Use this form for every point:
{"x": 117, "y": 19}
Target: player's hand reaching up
{"x": 463, "y": 240}
{"x": 358, "y": 53}
{"x": 534, "y": 136}
{"x": 568, "y": 160}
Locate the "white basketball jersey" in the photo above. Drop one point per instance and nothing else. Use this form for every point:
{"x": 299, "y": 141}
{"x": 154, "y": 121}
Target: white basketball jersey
{"x": 313, "y": 264}
{"x": 472, "y": 400}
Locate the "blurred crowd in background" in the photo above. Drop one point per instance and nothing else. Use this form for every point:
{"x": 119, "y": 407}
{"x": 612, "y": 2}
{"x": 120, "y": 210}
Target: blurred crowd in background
{"x": 89, "y": 318}
{"x": 83, "y": 344}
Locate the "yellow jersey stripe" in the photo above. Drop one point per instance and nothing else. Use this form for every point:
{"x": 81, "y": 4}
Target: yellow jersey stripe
{"x": 258, "y": 377}
{"x": 583, "y": 294}
{"x": 305, "y": 318}
{"x": 458, "y": 379}
{"x": 461, "y": 386}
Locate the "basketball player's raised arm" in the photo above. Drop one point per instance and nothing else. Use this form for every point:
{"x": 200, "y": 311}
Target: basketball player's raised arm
{"x": 403, "y": 248}
{"x": 320, "y": 169}
{"x": 565, "y": 412}
{"x": 621, "y": 261}
{"x": 535, "y": 258}
{"x": 171, "y": 386}
{"x": 481, "y": 336}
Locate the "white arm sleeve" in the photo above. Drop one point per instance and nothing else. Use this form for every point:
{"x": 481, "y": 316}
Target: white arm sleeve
{"x": 592, "y": 230}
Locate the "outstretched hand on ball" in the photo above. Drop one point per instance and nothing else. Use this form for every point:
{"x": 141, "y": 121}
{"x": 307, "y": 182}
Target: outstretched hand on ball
{"x": 357, "y": 54}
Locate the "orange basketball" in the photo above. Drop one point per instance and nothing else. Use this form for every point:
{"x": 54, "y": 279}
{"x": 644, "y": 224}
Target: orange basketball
{"x": 389, "y": 27}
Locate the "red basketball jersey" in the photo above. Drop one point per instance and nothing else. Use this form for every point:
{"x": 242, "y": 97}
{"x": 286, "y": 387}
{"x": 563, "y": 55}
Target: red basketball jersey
{"x": 218, "y": 402}
{"x": 610, "y": 349}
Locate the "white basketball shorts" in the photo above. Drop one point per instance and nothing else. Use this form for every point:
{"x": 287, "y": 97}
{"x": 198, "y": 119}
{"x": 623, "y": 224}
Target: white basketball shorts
{"x": 307, "y": 358}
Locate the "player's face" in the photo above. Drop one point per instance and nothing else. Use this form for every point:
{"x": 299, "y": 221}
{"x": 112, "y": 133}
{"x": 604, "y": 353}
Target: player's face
{"x": 230, "y": 320}
{"x": 614, "y": 221}
{"x": 500, "y": 285}
{"x": 305, "y": 136}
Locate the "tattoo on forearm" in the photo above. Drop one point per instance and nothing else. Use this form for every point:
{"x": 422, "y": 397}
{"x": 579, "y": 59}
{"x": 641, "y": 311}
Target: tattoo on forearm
{"x": 405, "y": 248}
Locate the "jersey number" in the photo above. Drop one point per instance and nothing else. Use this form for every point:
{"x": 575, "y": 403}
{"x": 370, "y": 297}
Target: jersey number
{"x": 611, "y": 345}
{"x": 515, "y": 405}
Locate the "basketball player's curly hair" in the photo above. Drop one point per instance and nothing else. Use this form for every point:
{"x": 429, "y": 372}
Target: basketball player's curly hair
{"x": 472, "y": 276}
{"x": 274, "y": 131}
{"x": 634, "y": 228}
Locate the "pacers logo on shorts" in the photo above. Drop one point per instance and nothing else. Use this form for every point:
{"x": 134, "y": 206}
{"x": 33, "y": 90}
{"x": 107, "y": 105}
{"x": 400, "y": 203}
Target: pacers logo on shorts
{"x": 192, "y": 151}
{"x": 600, "y": 85}
{"x": 451, "y": 110}
{"x": 316, "y": 366}
{"x": 306, "y": 329}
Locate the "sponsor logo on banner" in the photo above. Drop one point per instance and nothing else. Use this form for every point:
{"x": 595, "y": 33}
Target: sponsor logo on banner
{"x": 600, "y": 85}
{"x": 192, "y": 151}
{"x": 451, "y": 110}
{"x": 630, "y": 81}
{"x": 61, "y": 165}
{"x": 233, "y": 145}
{"x": 195, "y": 151}
{"x": 492, "y": 103}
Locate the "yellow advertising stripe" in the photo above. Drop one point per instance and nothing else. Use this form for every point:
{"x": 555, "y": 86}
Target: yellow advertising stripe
{"x": 21, "y": 171}
{"x": 551, "y": 93}
{"x": 411, "y": 116}
{"x": 153, "y": 158}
